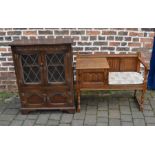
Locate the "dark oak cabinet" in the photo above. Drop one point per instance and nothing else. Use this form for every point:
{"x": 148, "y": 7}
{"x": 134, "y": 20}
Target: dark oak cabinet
{"x": 44, "y": 74}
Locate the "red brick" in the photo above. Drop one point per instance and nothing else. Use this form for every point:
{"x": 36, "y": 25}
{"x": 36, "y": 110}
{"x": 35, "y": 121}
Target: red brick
{"x": 8, "y": 82}
{"x": 123, "y": 33}
{"x": 2, "y": 87}
{"x": 132, "y": 44}
{"x": 122, "y": 48}
{"x": 61, "y": 32}
{"x": 100, "y": 43}
{"x": 3, "y": 49}
{"x": 45, "y": 32}
{"x": 108, "y": 48}
{"x": 92, "y": 32}
{"x": 109, "y": 33}
{"x": 14, "y": 32}
{"x": 127, "y": 38}
{"x": 136, "y": 39}
{"x": 29, "y": 32}
{"x": 77, "y": 32}
{"x": 3, "y": 68}
{"x": 132, "y": 29}
{"x": 114, "y": 43}
{"x": 2, "y": 33}
{"x": 146, "y": 39}
{"x": 84, "y": 43}
{"x": 148, "y": 45}
{"x": 10, "y": 59}
{"x": 76, "y": 38}
{"x": 7, "y": 64}
{"x": 152, "y": 34}
{"x": 136, "y": 34}
{"x": 12, "y": 88}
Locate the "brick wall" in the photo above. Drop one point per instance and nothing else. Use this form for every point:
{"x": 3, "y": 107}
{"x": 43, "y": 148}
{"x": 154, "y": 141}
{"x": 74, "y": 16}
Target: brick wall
{"x": 85, "y": 40}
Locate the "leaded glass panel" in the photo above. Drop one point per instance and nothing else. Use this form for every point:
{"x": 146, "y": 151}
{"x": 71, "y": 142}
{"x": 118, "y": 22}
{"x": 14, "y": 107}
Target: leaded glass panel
{"x": 31, "y": 68}
{"x": 55, "y": 67}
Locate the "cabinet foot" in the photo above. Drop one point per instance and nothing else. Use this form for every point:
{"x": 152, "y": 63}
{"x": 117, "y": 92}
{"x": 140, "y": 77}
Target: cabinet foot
{"x": 78, "y": 108}
{"x": 25, "y": 112}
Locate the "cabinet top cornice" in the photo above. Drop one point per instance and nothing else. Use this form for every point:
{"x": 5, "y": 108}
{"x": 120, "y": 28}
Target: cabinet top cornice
{"x": 54, "y": 41}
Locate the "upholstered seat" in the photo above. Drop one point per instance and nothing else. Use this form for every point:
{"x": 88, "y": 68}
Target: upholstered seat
{"x": 116, "y": 78}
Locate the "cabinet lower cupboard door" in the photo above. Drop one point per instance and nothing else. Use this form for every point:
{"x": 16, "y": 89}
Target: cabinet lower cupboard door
{"x": 33, "y": 99}
{"x": 57, "y": 99}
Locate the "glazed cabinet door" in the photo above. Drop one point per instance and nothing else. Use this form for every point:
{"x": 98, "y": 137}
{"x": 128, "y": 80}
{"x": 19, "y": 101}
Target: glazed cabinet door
{"x": 56, "y": 68}
{"x": 29, "y": 68}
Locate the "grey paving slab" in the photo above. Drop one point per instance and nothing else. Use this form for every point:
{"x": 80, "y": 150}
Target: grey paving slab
{"x": 150, "y": 124}
{"x": 139, "y": 122}
{"x": 55, "y": 116}
{"x": 11, "y": 111}
{"x": 114, "y": 114}
{"x": 64, "y": 124}
{"x": 137, "y": 115}
{"x": 20, "y": 117}
{"x": 90, "y": 120}
{"x": 66, "y": 118}
{"x": 29, "y": 122}
{"x": 32, "y": 116}
{"x": 102, "y": 120}
{"x": 148, "y": 113}
{"x": 16, "y": 123}
{"x": 150, "y": 119}
{"x": 102, "y": 113}
{"x": 114, "y": 122}
{"x": 42, "y": 119}
{"x": 52, "y": 123}
{"x": 91, "y": 111}
{"x": 126, "y": 118}
{"x": 77, "y": 122}
{"x": 147, "y": 107}
{"x": 102, "y": 107}
{"x": 6, "y": 117}
{"x": 102, "y": 124}
{"x": 79, "y": 116}
{"x": 125, "y": 110}
{"x": 4, "y": 123}
{"x": 127, "y": 123}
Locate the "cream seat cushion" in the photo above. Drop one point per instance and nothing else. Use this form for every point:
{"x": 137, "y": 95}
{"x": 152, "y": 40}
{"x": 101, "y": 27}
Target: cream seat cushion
{"x": 116, "y": 78}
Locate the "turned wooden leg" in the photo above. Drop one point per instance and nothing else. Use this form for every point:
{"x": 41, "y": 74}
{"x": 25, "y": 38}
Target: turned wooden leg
{"x": 142, "y": 101}
{"x": 135, "y": 93}
{"x": 78, "y": 106}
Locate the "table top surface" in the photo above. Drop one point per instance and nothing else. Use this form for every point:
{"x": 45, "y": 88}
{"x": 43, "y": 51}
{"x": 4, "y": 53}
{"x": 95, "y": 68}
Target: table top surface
{"x": 92, "y": 63}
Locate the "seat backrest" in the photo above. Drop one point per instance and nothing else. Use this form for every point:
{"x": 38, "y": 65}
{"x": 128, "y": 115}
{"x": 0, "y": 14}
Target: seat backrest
{"x": 118, "y": 62}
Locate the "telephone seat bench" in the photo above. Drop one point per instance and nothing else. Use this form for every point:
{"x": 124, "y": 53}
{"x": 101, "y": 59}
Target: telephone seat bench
{"x": 111, "y": 72}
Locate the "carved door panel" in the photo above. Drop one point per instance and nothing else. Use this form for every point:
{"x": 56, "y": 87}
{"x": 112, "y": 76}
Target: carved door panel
{"x": 33, "y": 98}
{"x": 57, "y": 98}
